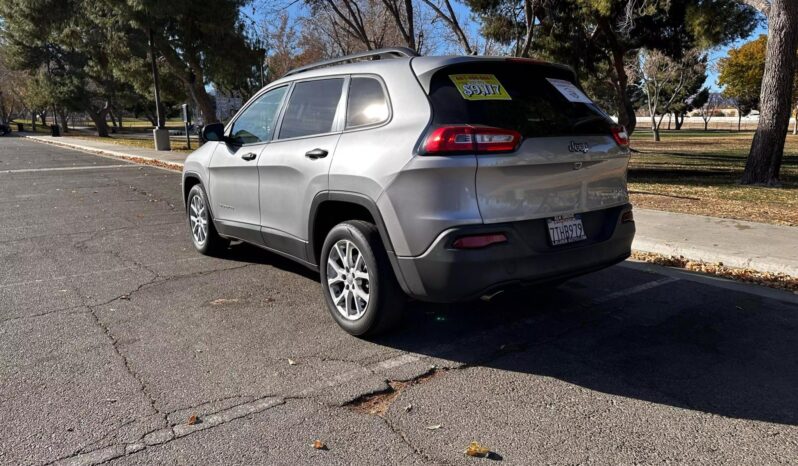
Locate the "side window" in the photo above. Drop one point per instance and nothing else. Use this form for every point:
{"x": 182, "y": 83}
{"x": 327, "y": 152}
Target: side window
{"x": 311, "y": 108}
{"x": 367, "y": 103}
{"x": 257, "y": 122}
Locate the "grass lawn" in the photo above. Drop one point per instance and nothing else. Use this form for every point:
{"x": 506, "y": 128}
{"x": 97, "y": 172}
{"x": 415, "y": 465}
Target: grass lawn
{"x": 698, "y": 172}
{"x": 178, "y": 143}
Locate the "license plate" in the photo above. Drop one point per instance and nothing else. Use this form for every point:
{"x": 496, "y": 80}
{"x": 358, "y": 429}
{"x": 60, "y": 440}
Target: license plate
{"x": 566, "y": 229}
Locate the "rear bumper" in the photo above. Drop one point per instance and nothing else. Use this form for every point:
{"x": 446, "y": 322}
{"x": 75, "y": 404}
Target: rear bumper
{"x": 445, "y": 274}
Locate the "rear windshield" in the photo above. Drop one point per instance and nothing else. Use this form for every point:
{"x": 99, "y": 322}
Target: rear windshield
{"x": 535, "y": 100}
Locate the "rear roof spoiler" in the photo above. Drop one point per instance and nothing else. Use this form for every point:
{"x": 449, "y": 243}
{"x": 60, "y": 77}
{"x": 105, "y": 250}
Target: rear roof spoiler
{"x": 379, "y": 54}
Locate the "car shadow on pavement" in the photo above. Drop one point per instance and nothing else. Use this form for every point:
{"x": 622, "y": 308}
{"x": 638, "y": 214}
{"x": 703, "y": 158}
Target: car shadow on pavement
{"x": 245, "y": 252}
{"x": 684, "y": 344}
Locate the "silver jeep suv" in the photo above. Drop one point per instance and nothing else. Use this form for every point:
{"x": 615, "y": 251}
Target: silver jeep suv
{"x": 437, "y": 178}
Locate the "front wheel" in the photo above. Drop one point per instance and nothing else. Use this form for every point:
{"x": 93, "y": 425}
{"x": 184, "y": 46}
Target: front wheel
{"x": 203, "y": 233}
{"x": 357, "y": 280}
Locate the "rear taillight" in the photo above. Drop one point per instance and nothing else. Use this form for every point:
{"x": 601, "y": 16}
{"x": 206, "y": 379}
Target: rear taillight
{"x": 470, "y": 139}
{"x": 620, "y": 135}
{"x": 478, "y": 241}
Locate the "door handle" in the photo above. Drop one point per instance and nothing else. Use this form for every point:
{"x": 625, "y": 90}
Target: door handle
{"x": 249, "y": 156}
{"x": 316, "y": 154}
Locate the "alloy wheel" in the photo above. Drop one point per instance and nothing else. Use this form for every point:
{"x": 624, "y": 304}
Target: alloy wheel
{"x": 348, "y": 279}
{"x": 198, "y": 218}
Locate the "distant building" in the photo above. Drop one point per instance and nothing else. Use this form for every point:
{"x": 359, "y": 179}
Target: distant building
{"x": 227, "y": 105}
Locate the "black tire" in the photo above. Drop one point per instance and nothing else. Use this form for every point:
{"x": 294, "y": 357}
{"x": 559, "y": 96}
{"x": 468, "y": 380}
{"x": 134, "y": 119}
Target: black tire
{"x": 386, "y": 299}
{"x": 213, "y": 244}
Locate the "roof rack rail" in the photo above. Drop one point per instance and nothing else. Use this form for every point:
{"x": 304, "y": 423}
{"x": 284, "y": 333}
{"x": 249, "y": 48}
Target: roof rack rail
{"x": 379, "y": 54}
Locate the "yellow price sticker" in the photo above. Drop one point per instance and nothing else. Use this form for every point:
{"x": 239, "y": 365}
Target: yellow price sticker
{"x": 479, "y": 87}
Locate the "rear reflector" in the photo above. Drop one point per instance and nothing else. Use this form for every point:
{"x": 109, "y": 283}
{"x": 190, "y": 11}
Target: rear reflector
{"x": 470, "y": 139}
{"x": 478, "y": 241}
{"x": 620, "y": 135}
{"x": 627, "y": 217}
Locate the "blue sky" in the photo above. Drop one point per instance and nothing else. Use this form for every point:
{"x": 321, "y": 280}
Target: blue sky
{"x": 297, "y": 8}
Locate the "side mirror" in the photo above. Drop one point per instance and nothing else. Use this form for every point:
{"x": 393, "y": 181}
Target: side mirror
{"x": 212, "y": 132}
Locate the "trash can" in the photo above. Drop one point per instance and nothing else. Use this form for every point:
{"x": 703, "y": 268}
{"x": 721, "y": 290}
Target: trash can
{"x": 55, "y": 131}
{"x": 20, "y": 127}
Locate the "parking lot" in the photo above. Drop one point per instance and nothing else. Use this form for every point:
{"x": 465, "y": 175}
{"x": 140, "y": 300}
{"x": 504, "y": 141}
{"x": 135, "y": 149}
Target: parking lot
{"x": 114, "y": 333}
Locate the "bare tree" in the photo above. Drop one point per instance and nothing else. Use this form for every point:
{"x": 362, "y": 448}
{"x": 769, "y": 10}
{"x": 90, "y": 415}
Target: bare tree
{"x": 662, "y": 79}
{"x": 710, "y": 108}
{"x": 767, "y": 149}
{"x": 450, "y": 19}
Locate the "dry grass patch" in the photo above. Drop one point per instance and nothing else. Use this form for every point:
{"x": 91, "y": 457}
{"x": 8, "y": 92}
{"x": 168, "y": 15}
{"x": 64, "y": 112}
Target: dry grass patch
{"x": 698, "y": 173}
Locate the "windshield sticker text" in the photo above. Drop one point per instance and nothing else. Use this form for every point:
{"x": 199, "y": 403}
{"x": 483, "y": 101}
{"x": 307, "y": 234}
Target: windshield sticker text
{"x": 479, "y": 87}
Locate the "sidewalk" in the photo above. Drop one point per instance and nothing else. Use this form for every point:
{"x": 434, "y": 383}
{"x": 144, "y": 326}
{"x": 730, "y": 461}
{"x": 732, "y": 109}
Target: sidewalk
{"x": 168, "y": 158}
{"x": 735, "y": 243}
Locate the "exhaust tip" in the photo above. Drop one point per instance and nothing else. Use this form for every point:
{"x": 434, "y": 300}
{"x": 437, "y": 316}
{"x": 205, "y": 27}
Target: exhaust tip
{"x": 488, "y": 297}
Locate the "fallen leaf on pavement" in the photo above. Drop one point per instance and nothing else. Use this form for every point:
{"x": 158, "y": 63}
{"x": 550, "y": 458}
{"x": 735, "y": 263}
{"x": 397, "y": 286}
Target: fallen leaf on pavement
{"x": 193, "y": 420}
{"x": 220, "y": 301}
{"x": 475, "y": 449}
{"x": 319, "y": 445}
{"x": 434, "y": 427}
{"x": 408, "y": 408}
{"x": 291, "y": 362}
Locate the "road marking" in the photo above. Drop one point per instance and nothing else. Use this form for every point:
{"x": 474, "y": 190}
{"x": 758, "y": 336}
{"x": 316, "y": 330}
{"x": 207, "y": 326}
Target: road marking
{"x": 63, "y": 169}
{"x": 634, "y": 290}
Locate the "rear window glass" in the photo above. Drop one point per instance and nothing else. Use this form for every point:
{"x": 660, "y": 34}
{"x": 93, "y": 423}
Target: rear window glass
{"x": 367, "y": 103}
{"x": 517, "y": 96}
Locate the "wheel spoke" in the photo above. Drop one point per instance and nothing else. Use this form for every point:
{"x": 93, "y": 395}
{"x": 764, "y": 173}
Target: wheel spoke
{"x": 340, "y": 256}
{"x": 348, "y": 302}
{"x": 361, "y": 294}
{"x": 332, "y": 281}
{"x": 337, "y": 268}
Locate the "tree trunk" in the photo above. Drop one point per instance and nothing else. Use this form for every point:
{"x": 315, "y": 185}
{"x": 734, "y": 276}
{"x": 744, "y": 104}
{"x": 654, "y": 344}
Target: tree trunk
{"x": 767, "y": 149}
{"x": 795, "y": 124}
{"x": 678, "y": 121}
{"x": 626, "y": 111}
{"x": 655, "y": 127}
{"x": 98, "y": 117}
{"x": 739, "y": 120}
{"x": 43, "y": 116}
{"x": 706, "y": 125}
{"x": 63, "y": 117}
{"x": 205, "y": 103}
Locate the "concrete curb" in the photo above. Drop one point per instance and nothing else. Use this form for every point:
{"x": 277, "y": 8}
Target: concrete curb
{"x": 736, "y": 259}
{"x": 760, "y": 264}
{"x": 112, "y": 153}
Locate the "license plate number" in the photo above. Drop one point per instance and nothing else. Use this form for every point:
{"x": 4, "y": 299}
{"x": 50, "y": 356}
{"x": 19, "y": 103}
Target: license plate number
{"x": 566, "y": 229}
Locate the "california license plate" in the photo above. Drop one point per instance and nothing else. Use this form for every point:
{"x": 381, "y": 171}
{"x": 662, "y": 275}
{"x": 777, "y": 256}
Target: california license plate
{"x": 566, "y": 229}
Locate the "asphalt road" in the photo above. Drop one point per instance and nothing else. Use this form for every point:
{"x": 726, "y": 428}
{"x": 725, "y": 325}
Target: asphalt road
{"x": 114, "y": 332}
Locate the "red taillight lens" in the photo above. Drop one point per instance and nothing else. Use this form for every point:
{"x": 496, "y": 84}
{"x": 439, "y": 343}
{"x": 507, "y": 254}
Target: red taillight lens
{"x": 620, "y": 135}
{"x": 470, "y": 139}
{"x": 478, "y": 241}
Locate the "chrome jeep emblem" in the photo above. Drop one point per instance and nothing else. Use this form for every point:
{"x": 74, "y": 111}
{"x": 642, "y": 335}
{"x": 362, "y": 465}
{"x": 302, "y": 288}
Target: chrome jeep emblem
{"x": 582, "y": 147}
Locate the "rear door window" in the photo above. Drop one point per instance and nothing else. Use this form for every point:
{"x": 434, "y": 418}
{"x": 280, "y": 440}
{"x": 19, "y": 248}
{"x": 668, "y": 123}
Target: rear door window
{"x": 311, "y": 108}
{"x": 367, "y": 103}
{"x": 535, "y": 100}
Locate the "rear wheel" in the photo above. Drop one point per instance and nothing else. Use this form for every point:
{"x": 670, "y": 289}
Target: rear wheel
{"x": 357, "y": 280}
{"x": 203, "y": 234}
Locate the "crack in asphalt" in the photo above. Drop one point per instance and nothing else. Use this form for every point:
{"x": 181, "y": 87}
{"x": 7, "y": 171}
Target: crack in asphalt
{"x": 171, "y": 432}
